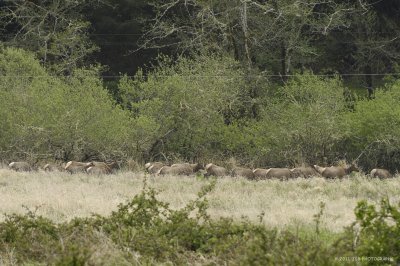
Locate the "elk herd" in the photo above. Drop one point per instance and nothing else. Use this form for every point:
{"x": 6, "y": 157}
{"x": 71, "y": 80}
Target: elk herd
{"x": 70, "y": 167}
{"x": 161, "y": 169}
{"x": 331, "y": 172}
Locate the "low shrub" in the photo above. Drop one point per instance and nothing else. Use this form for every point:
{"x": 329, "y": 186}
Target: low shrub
{"x": 146, "y": 230}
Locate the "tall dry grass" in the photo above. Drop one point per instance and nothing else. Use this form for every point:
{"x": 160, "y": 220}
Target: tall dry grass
{"x": 61, "y": 196}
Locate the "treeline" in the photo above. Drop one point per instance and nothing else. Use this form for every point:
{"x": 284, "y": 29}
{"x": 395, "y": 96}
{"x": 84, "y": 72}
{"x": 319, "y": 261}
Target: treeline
{"x": 279, "y": 38}
{"x": 192, "y": 109}
{"x": 269, "y": 83}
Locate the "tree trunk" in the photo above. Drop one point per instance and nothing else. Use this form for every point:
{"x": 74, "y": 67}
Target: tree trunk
{"x": 246, "y": 35}
{"x": 368, "y": 80}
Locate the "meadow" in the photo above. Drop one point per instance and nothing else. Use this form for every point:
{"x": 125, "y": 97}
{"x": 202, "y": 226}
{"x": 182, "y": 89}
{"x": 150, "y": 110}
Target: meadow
{"x": 61, "y": 196}
{"x": 130, "y": 218}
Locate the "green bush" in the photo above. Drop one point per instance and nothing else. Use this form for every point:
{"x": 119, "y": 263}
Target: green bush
{"x": 374, "y": 238}
{"x": 300, "y": 122}
{"x": 379, "y": 234}
{"x": 182, "y": 107}
{"x": 43, "y": 116}
{"x": 372, "y": 130}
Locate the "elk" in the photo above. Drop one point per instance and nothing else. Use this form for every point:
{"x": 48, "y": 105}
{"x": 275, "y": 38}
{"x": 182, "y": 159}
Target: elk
{"x": 175, "y": 170}
{"x": 215, "y": 170}
{"x": 260, "y": 173}
{"x": 98, "y": 170}
{"x": 244, "y": 172}
{"x": 51, "y": 167}
{"x": 180, "y": 169}
{"x": 380, "y": 173}
{"x": 305, "y": 172}
{"x": 20, "y": 166}
{"x": 107, "y": 167}
{"x": 281, "y": 173}
{"x": 195, "y": 166}
{"x": 77, "y": 167}
{"x": 153, "y": 167}
{"x": 336, "y": 171}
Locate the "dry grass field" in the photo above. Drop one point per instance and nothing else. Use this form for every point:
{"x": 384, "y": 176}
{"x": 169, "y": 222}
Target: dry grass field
{"x": 61, "y": 196}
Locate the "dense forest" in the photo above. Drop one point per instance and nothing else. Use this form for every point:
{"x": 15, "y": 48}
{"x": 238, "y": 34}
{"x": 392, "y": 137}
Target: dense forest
{"x": 267, "y": 83}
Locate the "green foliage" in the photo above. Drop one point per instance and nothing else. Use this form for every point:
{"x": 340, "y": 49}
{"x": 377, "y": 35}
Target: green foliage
{"x": 372, "y": 129}
{"x": 184, "y": 106}
{"x": 379, "y": 234}
{"x": 375, "y": 236}
{"x": 300, "y": 123}
{"x": 27, "y": 233}
{"x": 44, "y": 116}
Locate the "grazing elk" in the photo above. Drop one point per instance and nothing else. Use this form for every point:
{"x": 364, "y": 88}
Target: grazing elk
{"x": 260, "y": 173}
{"x": 244, "y": 172}
{"x": 102, "y": 168}
{"x": 51, "y": 167}
{"x": 336, "y": 171}
{"x": 380, "y": 173}
{"x": 281, "y": 173}
{"x": 153, "y": 167}
{"x": 215, "y": 170}
{"x": 20, "y": 166}
{"x": 107, "y": 167}
{"x": 180, "y": 169}
{"x": 305, "y": 172}
{"x": 98, "y": 170}
{"x": 175, "y": 170}
{"x": 77, "y": 167}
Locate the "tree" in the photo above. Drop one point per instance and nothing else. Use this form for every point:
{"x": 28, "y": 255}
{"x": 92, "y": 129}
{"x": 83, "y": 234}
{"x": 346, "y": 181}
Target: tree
{"x": 55, "y": 30}
{"x": 372, "y": 41}
{"x": 255, "y": 32}
{"x": 117, "y": 27}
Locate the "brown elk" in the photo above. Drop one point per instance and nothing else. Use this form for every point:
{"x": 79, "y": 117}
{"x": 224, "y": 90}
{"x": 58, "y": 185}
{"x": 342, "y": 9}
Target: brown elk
{"x": 51, "y": 167}
{"x": 194, "y": 166}
{"x": 260, "y": 173}
{"x": 20, "y": 166}
{"x": 380, "y": 173}
{"x": 106, "y": 167}
{"x": 180, "y": 169}
{"x": 305, "y": 172}
{"x": 153, "y": 167}
{"x": 215, "y": 170}
{"x": 336, "y": 171}
{"x": 244, "y": 172}
{"x": 281, "y": 173}
{"x": 77, "y": 167}
{"x": 99, "y": 170}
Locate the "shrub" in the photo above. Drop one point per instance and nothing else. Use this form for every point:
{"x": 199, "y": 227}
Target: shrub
{"x": 372, "y": 130}
{"x": 187, "y": 104}
{"x": 31, "y": 237}
{"x": 379, "y": 233}
{"x": 46, "y": 116}
{"x": 300, "y": 122}
{"x": 146, "y": 230}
